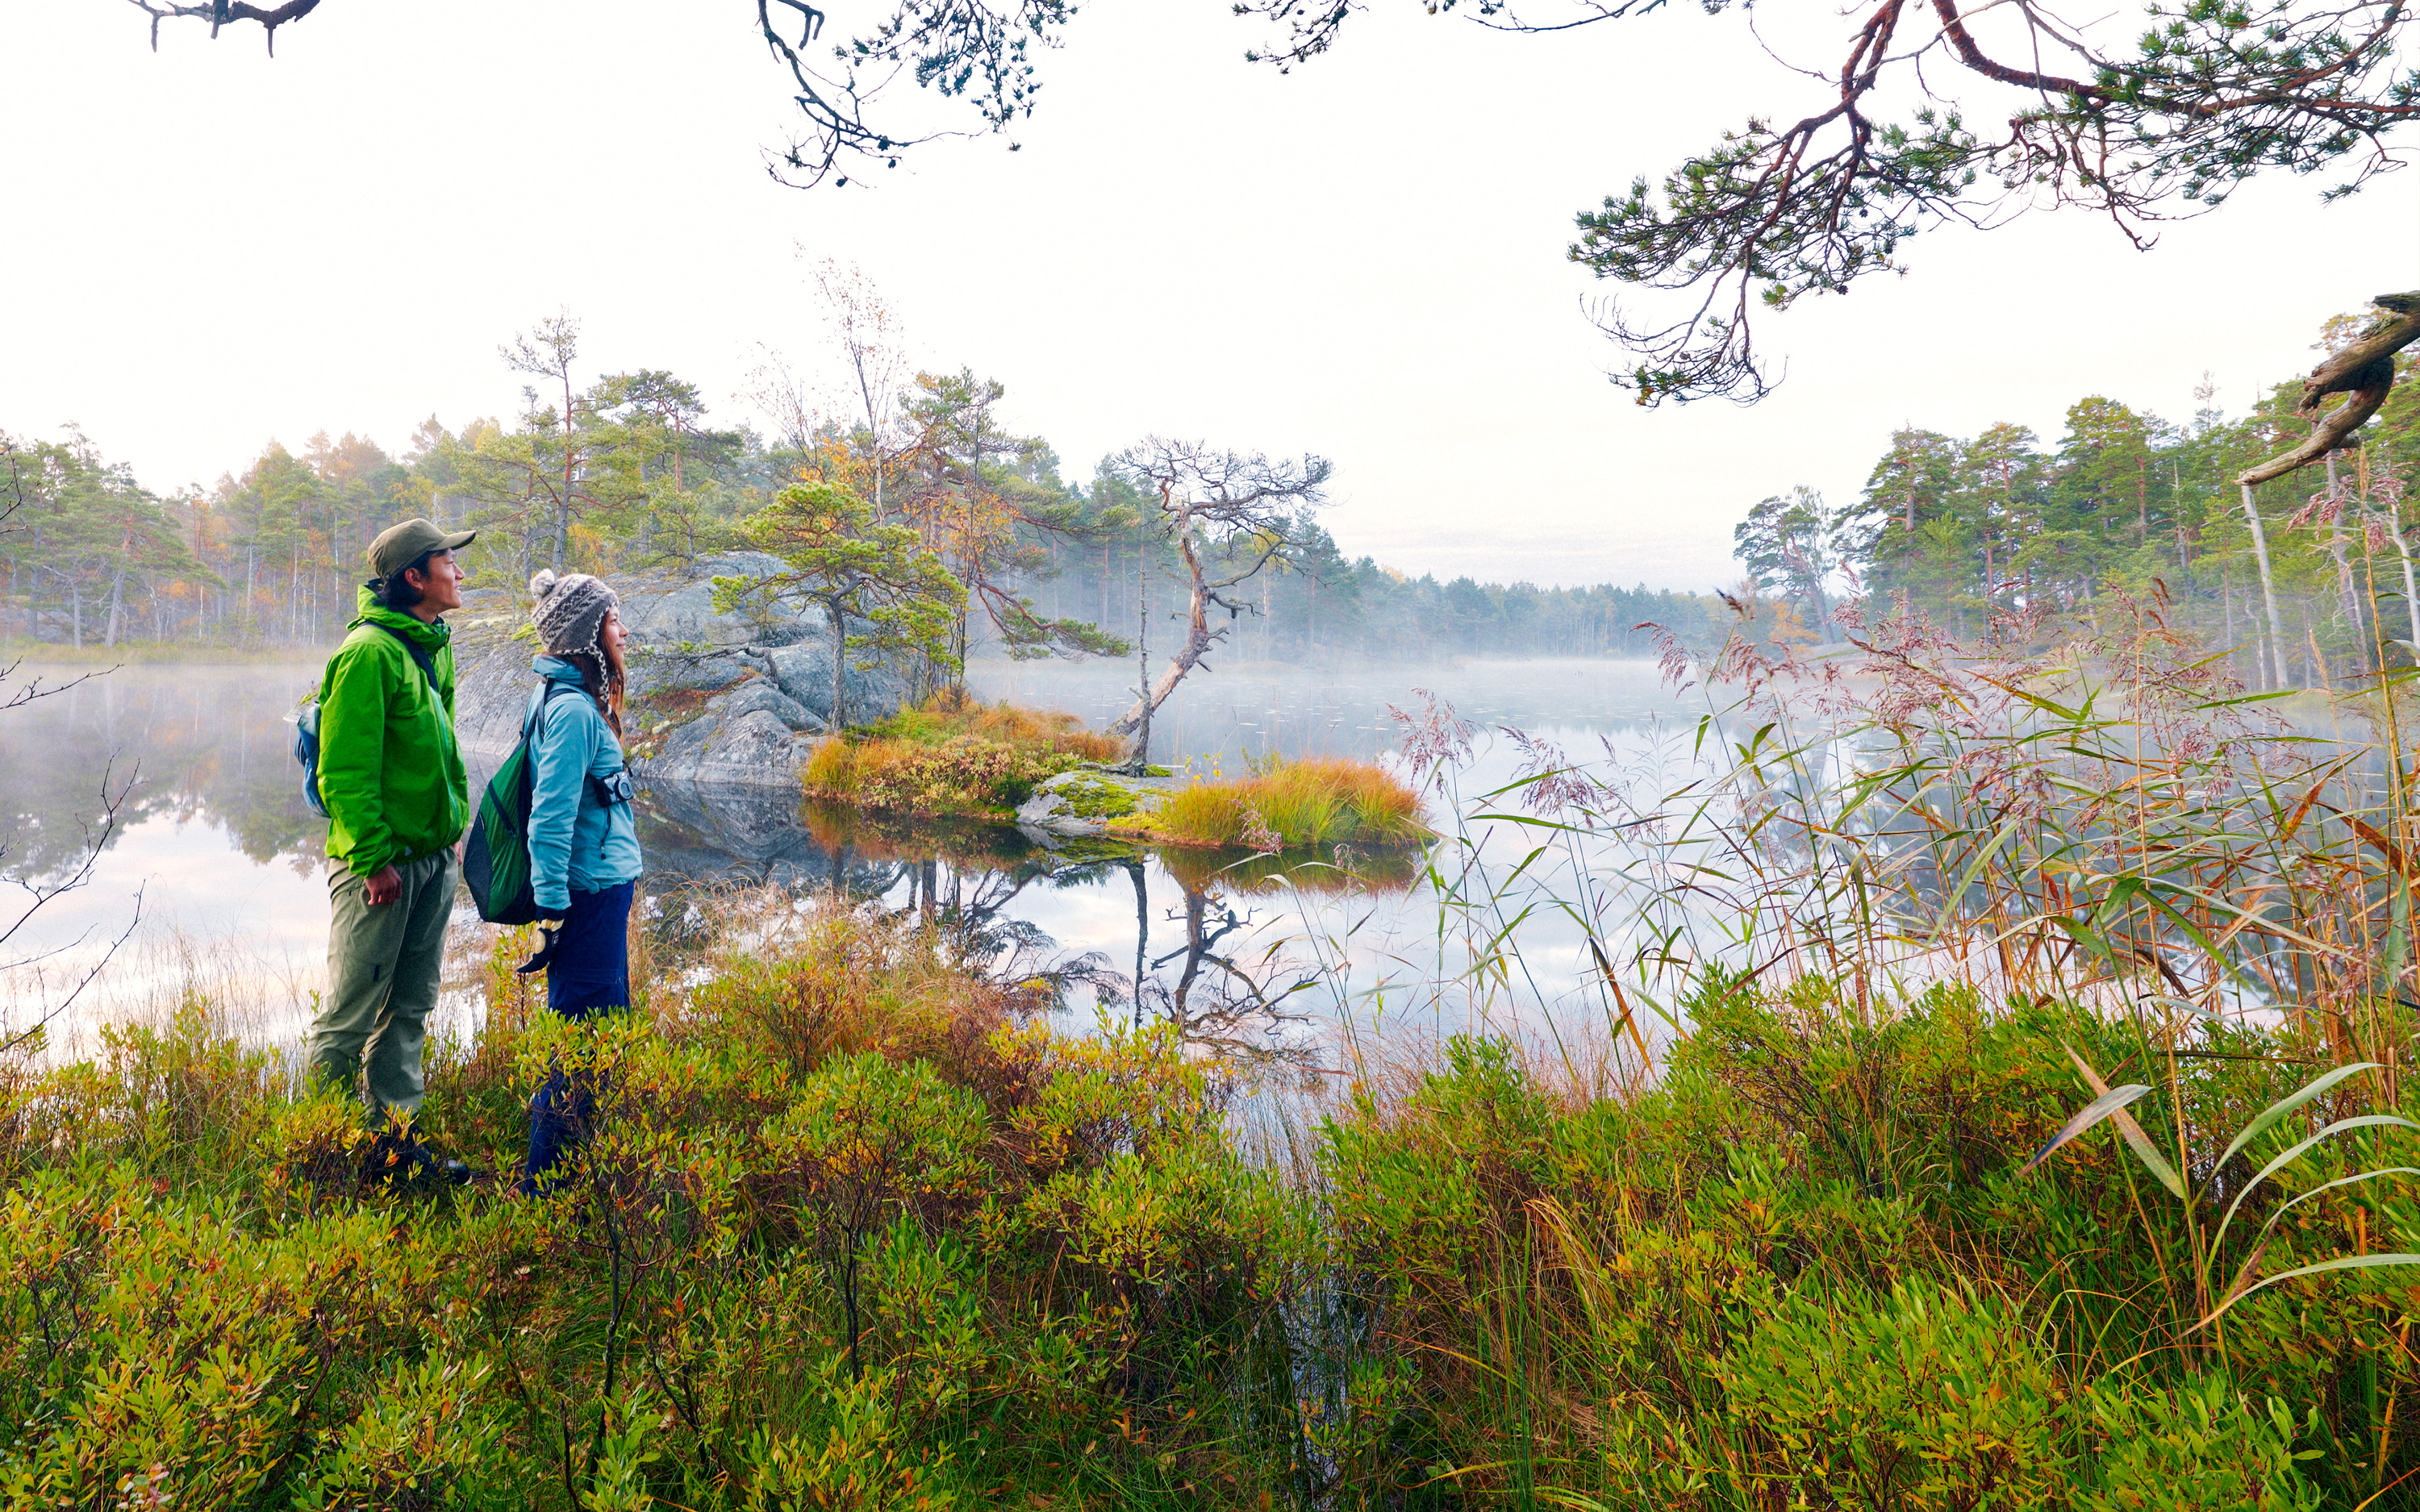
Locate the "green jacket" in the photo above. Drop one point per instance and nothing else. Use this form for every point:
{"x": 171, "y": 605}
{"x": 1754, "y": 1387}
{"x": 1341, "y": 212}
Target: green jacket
{"x": 390, "y": 771}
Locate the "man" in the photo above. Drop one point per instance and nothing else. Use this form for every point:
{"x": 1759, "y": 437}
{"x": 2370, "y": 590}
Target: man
{"x": 391, "y": 777}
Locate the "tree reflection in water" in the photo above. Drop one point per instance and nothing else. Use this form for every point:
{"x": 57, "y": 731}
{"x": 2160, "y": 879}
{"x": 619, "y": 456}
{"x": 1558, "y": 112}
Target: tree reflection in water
{"x": 1214, "y": 945}
{"x": 1221, "y": 972}
{"x": 210, "y": 741}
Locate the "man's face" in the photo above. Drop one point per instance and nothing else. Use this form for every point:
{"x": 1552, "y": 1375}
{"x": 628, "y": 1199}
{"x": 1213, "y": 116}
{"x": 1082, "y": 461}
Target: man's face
{"x": 440, "y": 588}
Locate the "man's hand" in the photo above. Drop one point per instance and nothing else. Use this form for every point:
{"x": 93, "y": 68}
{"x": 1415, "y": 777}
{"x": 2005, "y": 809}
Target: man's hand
{"x": 385, "y": 885}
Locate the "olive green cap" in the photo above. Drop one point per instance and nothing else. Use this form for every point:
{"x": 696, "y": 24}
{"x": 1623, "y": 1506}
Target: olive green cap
{"x": 399, "y": 545}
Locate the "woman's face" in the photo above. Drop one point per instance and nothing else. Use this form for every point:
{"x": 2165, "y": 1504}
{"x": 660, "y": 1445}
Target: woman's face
{"x": 612, "y": 636}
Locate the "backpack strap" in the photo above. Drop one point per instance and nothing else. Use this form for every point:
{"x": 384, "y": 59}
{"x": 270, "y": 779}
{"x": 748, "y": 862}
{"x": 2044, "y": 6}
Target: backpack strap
{"x": 535, "y": 721}
{"x": 604, "y": 792}
{"x": 419, "y": 653}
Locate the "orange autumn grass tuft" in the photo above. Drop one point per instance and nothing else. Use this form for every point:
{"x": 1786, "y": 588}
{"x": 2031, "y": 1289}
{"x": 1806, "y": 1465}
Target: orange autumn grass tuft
{"x": 943, "y": 719}
{"x": 953, "y": 757}
{"x": 1318, "y": 801}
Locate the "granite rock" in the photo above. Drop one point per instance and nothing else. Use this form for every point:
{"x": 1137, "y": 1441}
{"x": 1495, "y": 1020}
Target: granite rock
{"x": 803, "y": 667}
{"x": 1085, "y": 801}
{"x": 766, "y": 669}
{"x": 758, "y": 694}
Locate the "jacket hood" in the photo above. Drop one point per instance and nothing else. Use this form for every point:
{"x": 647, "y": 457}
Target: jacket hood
{"x": 368, "y": 610}
{"x": 555, "y": 668}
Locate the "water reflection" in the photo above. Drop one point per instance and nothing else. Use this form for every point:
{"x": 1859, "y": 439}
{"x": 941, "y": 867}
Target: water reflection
{"x": 216, "y": 837}
{"x": 213, "y": 857}
{"x": 1210, "y": 943}
{"x": 1261, "y": 709}
{"x": 205, "y": 742}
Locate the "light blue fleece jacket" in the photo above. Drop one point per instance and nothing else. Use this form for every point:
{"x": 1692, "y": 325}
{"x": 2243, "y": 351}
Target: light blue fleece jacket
{"x": 574, "y": 841}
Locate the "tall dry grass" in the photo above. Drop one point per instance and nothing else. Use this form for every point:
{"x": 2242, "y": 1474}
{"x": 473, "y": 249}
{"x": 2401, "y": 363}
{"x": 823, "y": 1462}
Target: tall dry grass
{"x": 2092, "y": 815}
{"x": 1895, "y": 911}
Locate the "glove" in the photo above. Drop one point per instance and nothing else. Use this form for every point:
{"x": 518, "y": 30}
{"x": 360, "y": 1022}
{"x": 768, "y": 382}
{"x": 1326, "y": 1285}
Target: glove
{"x": 549, "y": 931}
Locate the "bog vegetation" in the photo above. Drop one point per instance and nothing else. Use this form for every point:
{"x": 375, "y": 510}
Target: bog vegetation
{"x": 959, "y": 758}
{"x": 1988, "y": 1093}
{"x": 1990, "y": 1097}
{"x": 953, "y": 757}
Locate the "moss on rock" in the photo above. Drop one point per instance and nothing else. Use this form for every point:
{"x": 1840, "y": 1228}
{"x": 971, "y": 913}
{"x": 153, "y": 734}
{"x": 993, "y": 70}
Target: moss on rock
{"x": 1090, "y": 796}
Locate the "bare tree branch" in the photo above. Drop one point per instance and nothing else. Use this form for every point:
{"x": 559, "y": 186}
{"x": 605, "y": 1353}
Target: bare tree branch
{"x": 219, "y": 12}
{"x": 95, "y": 840}
{"x": 1215, "y": 498}
{"x": 2213, "y": 93}
{"x": 2210, "y": 96}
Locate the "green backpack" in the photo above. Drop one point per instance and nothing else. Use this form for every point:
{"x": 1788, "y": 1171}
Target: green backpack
{"x": 496, "y": 863}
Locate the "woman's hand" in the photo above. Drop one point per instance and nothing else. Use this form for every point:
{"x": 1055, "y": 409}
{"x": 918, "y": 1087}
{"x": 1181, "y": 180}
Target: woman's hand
{"x": 549, "y": 929}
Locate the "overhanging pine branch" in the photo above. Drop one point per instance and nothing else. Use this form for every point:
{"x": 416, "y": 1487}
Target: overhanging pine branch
{"x": 2366, "y": 370}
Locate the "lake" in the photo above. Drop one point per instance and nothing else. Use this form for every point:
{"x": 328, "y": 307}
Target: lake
{"x": 212, "y": 878}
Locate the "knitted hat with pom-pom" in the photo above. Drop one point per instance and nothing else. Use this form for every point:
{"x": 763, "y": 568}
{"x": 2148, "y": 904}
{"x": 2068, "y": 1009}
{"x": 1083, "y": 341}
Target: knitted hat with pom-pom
{"x": 569, "y": 611}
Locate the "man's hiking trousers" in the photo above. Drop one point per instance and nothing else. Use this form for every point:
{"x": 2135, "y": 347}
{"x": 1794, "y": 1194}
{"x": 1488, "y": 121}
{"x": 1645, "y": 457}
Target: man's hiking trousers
{"x": 382, "y": 970}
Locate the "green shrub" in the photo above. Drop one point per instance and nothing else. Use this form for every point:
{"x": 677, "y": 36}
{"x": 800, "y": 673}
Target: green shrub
{"x": 1414, "y": 1190}
{"x": 1920, "y": 1398}
{"x": 2196, "y": 1445}
{"x": 855, "y": 1228}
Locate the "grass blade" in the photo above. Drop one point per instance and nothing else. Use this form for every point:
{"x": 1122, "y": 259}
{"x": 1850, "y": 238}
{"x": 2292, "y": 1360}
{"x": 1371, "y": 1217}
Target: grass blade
{"x": 2276, "y": 1112}
{"x": 2136, "y": 1140}
{"x": 2342, "y": 1262}
{"x": 2094, "y": 1111}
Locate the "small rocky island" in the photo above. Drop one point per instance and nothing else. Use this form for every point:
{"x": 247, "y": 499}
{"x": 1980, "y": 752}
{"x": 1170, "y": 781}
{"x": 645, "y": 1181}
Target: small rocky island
{"x": 1091, "y": 801}
{"x": 740, "y": 700}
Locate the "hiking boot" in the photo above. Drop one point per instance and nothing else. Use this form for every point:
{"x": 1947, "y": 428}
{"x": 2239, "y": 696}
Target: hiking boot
{"x": 401, "y": 1161}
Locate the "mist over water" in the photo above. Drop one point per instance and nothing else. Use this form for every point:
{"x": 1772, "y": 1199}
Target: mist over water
{"x": 1220, "y": 716}
{"x": 214, "y": 840}
{"x": 212, "y": 855}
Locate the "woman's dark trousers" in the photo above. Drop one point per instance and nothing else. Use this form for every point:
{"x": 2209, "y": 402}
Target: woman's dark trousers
{"x": 589, "y": 975}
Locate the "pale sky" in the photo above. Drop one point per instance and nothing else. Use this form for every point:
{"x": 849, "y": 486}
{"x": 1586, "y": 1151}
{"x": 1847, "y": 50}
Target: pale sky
{"x": 207, "y": 248}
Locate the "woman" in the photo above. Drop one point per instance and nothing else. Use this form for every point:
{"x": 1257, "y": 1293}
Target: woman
{"x": 583, "y": 846}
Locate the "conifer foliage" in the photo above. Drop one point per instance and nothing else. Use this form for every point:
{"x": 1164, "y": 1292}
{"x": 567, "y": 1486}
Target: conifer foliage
{"x": 2006, "y": 524}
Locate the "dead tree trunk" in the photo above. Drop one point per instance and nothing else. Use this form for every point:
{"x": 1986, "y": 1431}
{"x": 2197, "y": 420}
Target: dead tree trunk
{"x": 2268, "y": 587}
{"x": 2366, "y": 371}
{"x": 1198, "y": 639}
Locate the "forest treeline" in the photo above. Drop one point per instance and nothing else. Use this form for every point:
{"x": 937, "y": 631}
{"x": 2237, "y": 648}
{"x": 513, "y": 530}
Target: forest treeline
{"x": 2004, "y": 524}
{"x": 629, "y": 471}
